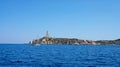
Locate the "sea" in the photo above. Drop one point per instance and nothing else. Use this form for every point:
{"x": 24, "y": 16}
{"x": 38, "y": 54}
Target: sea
{"x": 57, "y": 55}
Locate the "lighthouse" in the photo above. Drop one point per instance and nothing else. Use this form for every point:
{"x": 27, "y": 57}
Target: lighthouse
{"x": 46, "y": 39}
{"x": 47, "y": 35}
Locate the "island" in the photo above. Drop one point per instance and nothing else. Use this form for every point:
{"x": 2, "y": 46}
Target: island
{"x": 47, "y": 39}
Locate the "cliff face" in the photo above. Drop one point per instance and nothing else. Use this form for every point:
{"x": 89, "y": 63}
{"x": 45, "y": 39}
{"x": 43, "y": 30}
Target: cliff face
{"x": 49, "y": 40}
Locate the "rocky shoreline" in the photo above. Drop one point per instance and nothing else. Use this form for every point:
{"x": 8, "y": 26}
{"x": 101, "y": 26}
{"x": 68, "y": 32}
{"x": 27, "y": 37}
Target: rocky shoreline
{"x": 49, "y": 40}
{"x": 45, "y": 40}
{"x": 105, "y": 42}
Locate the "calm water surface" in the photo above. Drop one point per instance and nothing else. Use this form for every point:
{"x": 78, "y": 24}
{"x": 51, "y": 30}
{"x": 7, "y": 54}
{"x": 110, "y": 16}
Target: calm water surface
{"x": 24, "y": 55}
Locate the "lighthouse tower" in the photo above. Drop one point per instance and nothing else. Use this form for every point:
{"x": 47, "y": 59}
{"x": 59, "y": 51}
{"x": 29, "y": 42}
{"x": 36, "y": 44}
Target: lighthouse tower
{"x": 47, "y": 35}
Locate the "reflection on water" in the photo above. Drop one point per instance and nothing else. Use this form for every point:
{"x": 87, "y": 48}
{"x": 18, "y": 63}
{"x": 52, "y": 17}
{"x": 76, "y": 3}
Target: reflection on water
{"x": 59, "y": 55}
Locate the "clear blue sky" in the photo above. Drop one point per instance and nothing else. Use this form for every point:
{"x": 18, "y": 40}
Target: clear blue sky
{"x": 24, "y": 20}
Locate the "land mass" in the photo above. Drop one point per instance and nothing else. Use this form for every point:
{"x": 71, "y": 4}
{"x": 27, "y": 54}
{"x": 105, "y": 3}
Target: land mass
{"x": 49, "y": 40}
{"x": 105, "y": 42}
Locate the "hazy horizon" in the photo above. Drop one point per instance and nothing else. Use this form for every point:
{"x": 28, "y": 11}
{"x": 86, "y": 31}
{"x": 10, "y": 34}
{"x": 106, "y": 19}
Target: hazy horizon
{"x": 24, "y": 20}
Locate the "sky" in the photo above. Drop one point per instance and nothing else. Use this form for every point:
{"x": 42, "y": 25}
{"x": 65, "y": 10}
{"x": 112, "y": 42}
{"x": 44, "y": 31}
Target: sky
{"x": 25, "y": 20}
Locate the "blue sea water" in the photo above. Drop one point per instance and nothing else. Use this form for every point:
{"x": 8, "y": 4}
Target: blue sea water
{"x": 25, "y": 55}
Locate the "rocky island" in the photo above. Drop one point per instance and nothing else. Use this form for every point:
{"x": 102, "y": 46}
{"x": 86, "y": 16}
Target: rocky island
{"x": 49, "y": 40}
{"x": 106, "y": 42}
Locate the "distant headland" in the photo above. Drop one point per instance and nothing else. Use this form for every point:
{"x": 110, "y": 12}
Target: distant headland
{"x": 47, "y": 39}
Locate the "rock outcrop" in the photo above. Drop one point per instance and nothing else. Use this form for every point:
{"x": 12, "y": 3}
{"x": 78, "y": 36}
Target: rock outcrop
{"x": 49, "y": 40}
{"x": 45, "y": 40}
{"x": 105, "y": 42}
